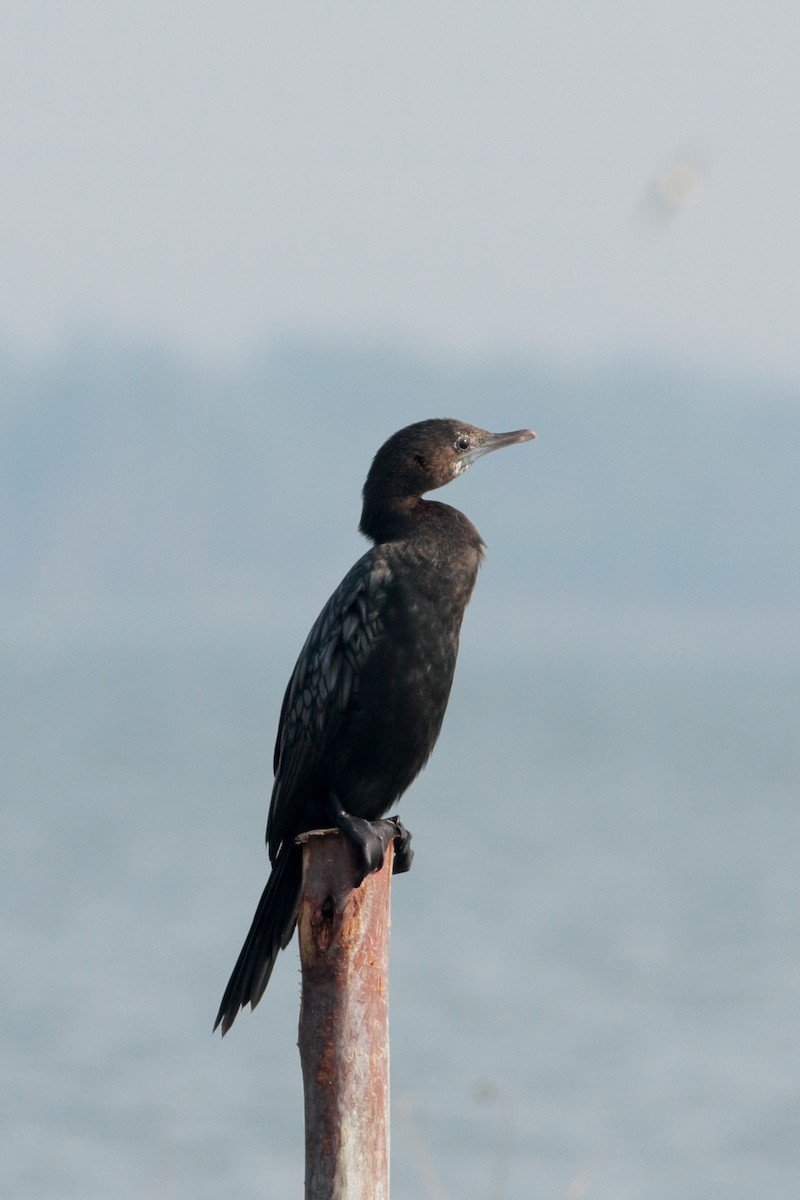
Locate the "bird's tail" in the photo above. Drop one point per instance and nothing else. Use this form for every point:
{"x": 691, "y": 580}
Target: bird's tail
{"x": 270, "y": 931}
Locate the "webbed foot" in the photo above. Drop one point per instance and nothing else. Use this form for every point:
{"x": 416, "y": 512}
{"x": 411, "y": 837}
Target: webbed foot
{"x": 372, "y": 839}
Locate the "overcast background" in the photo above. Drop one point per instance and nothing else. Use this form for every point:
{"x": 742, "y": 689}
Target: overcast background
{"x": 559, "y": 179}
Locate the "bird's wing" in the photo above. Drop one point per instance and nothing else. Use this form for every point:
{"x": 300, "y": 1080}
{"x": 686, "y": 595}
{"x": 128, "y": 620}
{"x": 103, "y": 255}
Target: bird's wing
{"x": 323, "y": 686}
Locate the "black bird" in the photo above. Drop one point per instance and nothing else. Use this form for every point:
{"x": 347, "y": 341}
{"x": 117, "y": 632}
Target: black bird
{"x": 367, "y": 696}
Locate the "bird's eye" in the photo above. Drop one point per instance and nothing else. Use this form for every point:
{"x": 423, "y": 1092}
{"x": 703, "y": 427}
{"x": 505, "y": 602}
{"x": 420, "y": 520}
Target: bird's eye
{"x": 463, "y": 443}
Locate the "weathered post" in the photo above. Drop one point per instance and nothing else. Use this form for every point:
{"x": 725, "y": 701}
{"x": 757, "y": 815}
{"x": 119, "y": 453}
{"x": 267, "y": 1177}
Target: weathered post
{"x": 344, "y": 1020}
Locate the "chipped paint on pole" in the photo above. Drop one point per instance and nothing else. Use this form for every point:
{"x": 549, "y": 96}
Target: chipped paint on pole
{"x": 344, "y": 1020}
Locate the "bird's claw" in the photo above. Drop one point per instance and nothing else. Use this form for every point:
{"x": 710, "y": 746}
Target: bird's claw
{"x": 403, "y": 852}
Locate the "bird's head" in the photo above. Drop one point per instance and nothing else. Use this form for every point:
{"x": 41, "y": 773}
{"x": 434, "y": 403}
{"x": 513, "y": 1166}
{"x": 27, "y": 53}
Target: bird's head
{"x": 425, "y": 456}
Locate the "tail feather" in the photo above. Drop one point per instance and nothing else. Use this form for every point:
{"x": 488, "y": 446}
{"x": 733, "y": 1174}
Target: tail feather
{"x": 271, "y": 930}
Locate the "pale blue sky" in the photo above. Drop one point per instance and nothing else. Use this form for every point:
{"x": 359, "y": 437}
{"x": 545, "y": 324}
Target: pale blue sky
{"x": 468, "y": 176}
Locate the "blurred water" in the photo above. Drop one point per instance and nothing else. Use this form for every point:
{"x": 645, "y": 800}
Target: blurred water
{"x": 595, "y": 975}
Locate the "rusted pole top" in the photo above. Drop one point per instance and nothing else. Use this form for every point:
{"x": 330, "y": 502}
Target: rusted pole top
{"x": 344, "y": 1020}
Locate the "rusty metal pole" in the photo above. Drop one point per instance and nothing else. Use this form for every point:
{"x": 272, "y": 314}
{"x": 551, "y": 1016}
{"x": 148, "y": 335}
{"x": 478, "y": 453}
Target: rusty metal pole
{"x": 344, "y": 1020}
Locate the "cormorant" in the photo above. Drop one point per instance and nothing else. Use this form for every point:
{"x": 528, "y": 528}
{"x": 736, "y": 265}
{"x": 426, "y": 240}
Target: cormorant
{"x": 367, "y": 696}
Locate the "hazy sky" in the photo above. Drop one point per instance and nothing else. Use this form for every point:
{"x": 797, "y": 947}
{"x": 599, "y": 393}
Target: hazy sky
{"x": 558, "y": 178}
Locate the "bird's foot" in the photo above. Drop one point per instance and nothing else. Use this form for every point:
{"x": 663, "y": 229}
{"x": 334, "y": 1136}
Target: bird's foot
{"x": 368, "y": 841}
{"x": 372, "y": 839}
{"x": 403, "y": 853}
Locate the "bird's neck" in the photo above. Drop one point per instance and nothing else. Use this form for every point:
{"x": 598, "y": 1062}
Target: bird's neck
{"x": 414, "y": 520}
{"x": 386, "y": 517}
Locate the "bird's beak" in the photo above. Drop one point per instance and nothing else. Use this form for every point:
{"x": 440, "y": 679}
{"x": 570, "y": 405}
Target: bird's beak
{"x": 496, "y": 441}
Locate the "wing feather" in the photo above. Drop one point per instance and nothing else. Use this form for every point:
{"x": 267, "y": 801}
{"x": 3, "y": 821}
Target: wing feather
{"x": 323, "y": 687}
